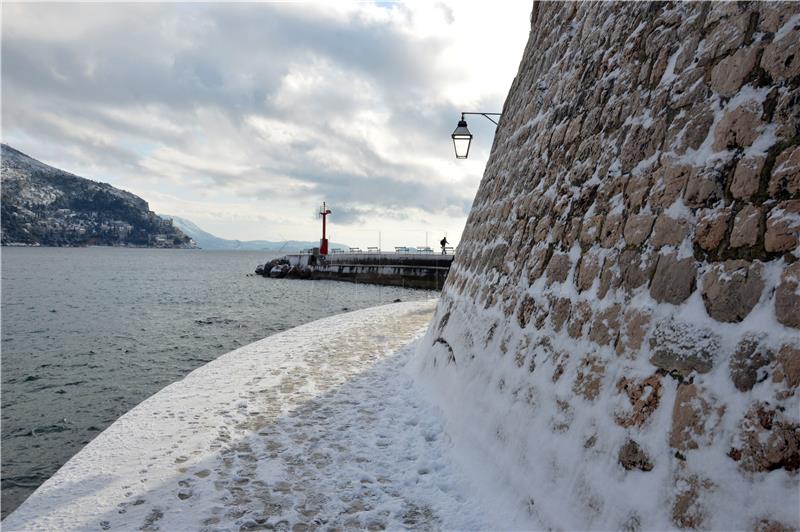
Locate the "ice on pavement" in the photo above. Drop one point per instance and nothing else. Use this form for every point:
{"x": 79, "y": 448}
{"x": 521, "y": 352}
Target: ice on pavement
{"x": 320, "y": 426}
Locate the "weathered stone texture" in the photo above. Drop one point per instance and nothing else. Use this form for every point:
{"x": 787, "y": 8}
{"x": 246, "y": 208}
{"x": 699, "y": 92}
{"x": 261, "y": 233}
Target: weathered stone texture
{"x": 693, "y": 415}
{"x": 711, "y": 228}
{"x": 750, "y": 357}
{"x": 637, "y": 229}
{"x": 643, "y": 398}
{"x": 631, "y": 456}
{"x": 558, "y": 268}
{"x": 746, "y": 227}
{"x": 783, "y": 227}
{"x": 769, "y": 441}
{"x": 729, "y": 74}
{"x": 669, "y": 231}
{"x": 786, "y": 173}
{"x": 747, "y": 176}
{"x": 645, "y": 170}
{"x": 788, "y": 369}
{"x": 635, "y": 323}
{"x": 680, "y": 348}
{"x": 738, "y": 127}
{"x": 732, "y": 289}
{"x": 787, "y": 297}
{"x": 588, "y": 270}
{"x": 673, "y": 280}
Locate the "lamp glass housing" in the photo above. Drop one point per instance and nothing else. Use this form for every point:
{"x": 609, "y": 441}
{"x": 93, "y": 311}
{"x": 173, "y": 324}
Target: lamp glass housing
{"x": 462, "y": 139}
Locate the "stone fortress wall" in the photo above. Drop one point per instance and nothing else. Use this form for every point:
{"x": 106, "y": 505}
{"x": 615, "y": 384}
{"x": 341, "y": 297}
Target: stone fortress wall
{"x": 624, "y": 311}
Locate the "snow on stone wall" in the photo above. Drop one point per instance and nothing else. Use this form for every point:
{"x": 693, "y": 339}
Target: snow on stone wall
{"x": 617, "y": 343}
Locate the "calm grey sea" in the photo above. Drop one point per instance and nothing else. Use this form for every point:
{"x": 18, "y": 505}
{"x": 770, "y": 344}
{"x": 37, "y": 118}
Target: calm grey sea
{"x": 88, "y": 333}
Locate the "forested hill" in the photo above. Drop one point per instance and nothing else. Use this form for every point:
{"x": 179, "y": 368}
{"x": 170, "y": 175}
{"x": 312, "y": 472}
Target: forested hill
{"x": 46, "y": 206}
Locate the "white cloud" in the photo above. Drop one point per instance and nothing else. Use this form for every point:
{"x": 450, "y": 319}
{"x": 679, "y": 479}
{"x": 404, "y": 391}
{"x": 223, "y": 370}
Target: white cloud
{"x": 243, "y": 117}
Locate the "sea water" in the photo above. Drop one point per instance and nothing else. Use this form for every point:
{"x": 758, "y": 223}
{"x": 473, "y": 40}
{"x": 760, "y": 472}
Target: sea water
{"x": 88, "y": 333}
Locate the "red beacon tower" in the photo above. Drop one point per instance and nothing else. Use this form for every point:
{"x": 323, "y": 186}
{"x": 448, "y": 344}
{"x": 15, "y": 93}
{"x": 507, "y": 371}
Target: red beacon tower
{"x": 323, "y": 244}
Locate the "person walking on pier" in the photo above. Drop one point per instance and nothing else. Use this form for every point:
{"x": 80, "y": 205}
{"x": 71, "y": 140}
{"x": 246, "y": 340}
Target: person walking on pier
{"x": 444, "y": 243}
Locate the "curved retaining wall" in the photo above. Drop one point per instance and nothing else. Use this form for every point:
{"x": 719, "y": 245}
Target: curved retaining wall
{"x": 618, "y": 336}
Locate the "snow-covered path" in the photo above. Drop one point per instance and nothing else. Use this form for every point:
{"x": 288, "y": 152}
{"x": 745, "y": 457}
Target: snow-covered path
{"x": 316, "y": 427}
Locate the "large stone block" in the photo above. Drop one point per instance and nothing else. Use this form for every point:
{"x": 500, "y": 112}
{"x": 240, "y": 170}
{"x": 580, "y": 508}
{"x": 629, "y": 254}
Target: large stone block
{"x": 711, "y": 227}
{"x": 637, "y": 229}
{"x": 669, "y": 231}
{"x": 739, "y": 127}
{"x": 750, "y": 357}
{"x": 612, "y": 230}
{"x": 589, "y": 378}
{"x": 588, "y": 270}
{"x": 747, "y": 177}
{"x": 606, "y": 325}
{"x": 581, "y": 315}
{"x": 610, "y": 275}
{"x": 640, "y": 143}
{"x": 726, "y": 27}
{"x": 690, "y": 128}
{"x": 783, "y": 227}
{"x": 536, "y": 263}
{"x": 559, "y": 312}
{"x": 786, "y": 173}
{"x": 674, "y": 279}
{"x": 788, "y": 367}
{"x": 636, "y": 190}
{"x": 746, "y": 227}
{"x": 631, "y": 456}
{"x": 542, "y": 229}
{"x": 732, "y": 289}
{"x": 644, "y": 396}
{"x": 780, "y": 58}
{"x": 668, "y": 185}
{"x": 774, "y": 15}
{"x": 785, "y": 116}
{"x": 590, "y": 230}
{"x": 787, "y": 297}
{"x": 558, "y": 268}
{"x": 635, "y": 268}
{"x": 729, "y": 74}
{"x": 767, "y": 440}
{"x": 635, "y": 323}
{"x": 689, "y": 510}
{"x": 695, "y": 416}
{"x": 704, "y": 189}
{"x": 680, "y": 348}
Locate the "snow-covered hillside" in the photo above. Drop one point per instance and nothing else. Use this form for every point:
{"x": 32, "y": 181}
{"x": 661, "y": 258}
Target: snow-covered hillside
{"x": 43, "y": 205}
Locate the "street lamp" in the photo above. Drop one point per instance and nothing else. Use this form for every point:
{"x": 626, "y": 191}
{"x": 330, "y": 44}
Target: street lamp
{"x": 462, "y": 138}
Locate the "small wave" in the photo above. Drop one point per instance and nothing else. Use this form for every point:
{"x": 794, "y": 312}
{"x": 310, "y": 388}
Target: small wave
{"x": 215, "y": 320}
{"x": 37, "y": 431}
{"x": 25, "y": 481}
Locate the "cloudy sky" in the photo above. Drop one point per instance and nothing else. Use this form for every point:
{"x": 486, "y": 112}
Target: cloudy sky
{"x": 244, "y": 117}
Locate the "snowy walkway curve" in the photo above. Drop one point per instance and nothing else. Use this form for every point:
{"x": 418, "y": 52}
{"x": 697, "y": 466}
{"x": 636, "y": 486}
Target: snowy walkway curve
{"x": 316, "y": 427}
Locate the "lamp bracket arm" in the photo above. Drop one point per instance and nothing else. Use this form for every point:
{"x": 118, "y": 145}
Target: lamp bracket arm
{"x": 485, "y": 115}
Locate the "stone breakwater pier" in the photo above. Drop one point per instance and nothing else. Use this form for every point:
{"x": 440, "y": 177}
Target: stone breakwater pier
{"x": 402, "y": 268}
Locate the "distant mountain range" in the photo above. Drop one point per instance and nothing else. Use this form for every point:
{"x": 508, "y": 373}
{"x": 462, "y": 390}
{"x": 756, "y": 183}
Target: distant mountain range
{"x": 45, "y": 206}
{"x": 206, "y": 240}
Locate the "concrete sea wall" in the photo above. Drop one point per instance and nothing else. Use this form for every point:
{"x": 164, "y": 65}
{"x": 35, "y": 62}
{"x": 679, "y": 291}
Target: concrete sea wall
{"x": 623, "y": 314}
{"x": 427, "y": 271}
